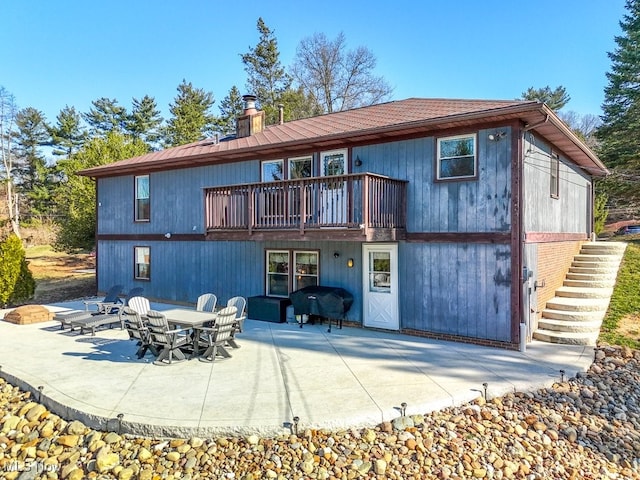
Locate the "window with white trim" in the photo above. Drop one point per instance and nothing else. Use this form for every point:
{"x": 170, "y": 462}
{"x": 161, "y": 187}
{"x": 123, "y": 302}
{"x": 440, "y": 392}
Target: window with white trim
{"x": 272, "y": 170}
{"x": 290, "y": 270}
{"x": 142, "y": 200}
{"x": 457, "y": 158}
{"x": 142, "y": 263}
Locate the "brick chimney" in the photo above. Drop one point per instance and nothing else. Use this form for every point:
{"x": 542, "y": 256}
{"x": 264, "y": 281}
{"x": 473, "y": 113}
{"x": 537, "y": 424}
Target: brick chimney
{"x": 252, "y": 120}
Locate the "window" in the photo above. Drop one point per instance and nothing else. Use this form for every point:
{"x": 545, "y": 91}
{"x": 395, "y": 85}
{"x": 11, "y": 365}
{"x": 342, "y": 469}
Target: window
{"x": 334, "y": 163}
{"x": 142, "y": 266}
{"x": 300, "y": 167}
{"x": 272, "y": 170}
{"x": 306, "y": 269}
{"x": 456, "y": 157}
{"x": 280, "y": 276}
{"x": 555, "y": 176}
{"x": 142, "y": 210}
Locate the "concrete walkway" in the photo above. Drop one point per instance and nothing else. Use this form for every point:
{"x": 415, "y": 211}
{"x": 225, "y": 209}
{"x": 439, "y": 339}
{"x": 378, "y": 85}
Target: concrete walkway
{"x": 347, "y": 378}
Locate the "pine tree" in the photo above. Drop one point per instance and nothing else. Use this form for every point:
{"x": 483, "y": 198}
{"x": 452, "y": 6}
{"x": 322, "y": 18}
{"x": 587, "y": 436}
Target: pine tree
{"x": 230, "y": 108}
{"x": 621, "y": 107}
{"x": 144, "y": 121}
{"x": 106, "y": 116}
{"x": 192, "y": 119}
{"x": 267, "y": 78}
{"x": 68, "y": 134}
{"x": 618, "y": 135}
{"x": 33, "y": 176}
{"x": 555, "y": 99}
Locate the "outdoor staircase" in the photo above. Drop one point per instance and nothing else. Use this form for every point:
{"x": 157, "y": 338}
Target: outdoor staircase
{"x": 575, "y": 314}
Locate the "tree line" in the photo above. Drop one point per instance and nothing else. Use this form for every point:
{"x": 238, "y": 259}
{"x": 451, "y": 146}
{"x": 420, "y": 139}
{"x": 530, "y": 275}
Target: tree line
{"x": 324, "y": 77}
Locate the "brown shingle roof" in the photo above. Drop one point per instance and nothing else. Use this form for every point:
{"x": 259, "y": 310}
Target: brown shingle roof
{"x": 386, "y": 120}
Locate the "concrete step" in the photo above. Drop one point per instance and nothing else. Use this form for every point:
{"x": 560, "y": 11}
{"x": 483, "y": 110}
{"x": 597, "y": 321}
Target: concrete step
{"x": 574, "y": 315}
{"x": 590, "y": 276}
{"x": 614, "y": 247}
{"x": 593, "y": 269}
{"x": 567, "y": 326}
{"x": 567, "y": 338}
{"x": 578, "y": 304}
{"x": 591, "y": 283}
{"x": 599, "y": 266}
{"x": 606, "y": 259}
{"x": 577, "y": 292}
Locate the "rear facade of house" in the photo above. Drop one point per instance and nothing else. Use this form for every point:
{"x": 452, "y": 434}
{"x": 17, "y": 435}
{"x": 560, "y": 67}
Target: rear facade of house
{"x": 443, "y": 218}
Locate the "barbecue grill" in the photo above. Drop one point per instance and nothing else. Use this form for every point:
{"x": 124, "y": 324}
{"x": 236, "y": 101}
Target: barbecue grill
{"x": 331, "y": 303}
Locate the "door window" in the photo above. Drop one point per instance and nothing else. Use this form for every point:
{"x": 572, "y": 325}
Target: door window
{"x": 379, "y": 271}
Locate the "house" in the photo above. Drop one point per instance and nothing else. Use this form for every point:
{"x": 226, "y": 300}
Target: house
{"x": 438, "y": 215}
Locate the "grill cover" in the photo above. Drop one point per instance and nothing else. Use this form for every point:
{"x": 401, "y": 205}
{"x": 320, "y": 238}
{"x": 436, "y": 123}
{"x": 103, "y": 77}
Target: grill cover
{"x": 327, "y": 302}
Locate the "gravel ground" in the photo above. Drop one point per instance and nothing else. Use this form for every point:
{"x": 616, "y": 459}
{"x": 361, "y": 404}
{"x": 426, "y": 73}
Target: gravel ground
{"x": 587, "y": 427}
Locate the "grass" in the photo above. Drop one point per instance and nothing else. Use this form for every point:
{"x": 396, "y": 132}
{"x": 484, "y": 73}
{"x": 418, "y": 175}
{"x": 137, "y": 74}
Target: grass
{"x": 621, "y": 325}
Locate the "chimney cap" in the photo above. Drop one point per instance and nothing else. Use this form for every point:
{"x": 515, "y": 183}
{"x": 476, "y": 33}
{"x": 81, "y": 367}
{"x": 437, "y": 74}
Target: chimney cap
{"x": 249, "y": 104}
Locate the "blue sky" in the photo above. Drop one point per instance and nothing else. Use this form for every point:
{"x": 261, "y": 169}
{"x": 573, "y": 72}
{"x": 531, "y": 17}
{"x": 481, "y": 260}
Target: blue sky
{"x": 64, "y": 52}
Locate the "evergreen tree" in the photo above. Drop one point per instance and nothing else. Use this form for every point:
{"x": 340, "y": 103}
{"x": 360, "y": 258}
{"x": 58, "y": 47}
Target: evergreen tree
{"x": 618, "y": 135}
{"x": 191, "y": 116}
{"x": 68, "y": 134}
{"x": 144, "y": 121}
{"x": 267, "y": 78}
{"x": 231, "y": 107}
{"x": 106, "y": 116}
{"x": 554, "y": 99}
{"x": 298, "y": 104}
{"x": 33, "y": 176}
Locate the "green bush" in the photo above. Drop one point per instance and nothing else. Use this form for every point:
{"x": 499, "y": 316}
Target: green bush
{"x": 16, "y": 282}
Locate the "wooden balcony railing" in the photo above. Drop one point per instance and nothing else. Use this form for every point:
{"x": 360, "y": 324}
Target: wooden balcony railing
{"x": 355, "y": 201}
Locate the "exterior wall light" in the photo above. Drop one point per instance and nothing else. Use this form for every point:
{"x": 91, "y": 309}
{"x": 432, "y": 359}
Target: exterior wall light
{"x": 350, "y": 263}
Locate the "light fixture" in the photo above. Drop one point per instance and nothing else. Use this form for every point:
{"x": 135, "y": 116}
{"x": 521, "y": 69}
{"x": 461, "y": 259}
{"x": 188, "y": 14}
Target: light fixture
{"x": 358, "y": 162}
{"x": 350, "y": 263}
{"x": 336, "y": 254}
{"x": 494, "y": 137}
{"x": 167, "y": 235}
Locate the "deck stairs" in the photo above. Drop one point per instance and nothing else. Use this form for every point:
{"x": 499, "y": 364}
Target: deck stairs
{"x": 575, "y": 314}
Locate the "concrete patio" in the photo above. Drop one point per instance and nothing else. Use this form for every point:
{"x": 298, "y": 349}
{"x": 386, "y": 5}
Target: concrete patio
{"x": 347, "y": 378}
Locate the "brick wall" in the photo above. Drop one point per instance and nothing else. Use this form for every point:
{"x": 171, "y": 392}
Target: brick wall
{"x": 554, "y": 260}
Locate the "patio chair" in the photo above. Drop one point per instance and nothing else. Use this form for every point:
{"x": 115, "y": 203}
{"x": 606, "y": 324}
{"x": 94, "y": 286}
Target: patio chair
{"x": 166, "y": 340}
{"x": 109, "y": 303}
{"x": 138, "y": 330}
{"x": 206, "y": 302}
{"x": 216, "y": 337}
{"x": 134, "y": 292}
{"x": 240, "y": 303}
{"x": 139, "y": 304}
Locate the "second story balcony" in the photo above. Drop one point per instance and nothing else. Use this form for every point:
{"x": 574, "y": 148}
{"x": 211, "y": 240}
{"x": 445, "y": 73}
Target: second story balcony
{"x": 358, "y": 207}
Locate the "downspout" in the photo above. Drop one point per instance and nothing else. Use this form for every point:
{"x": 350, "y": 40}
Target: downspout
{"x": 96, "y": 233}
{"x": 517, "y": 242}
{"x": 525, "y": 306}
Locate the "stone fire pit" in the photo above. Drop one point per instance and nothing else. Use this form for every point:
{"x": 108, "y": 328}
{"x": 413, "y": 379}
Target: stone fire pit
{"x": 29, "y": 314}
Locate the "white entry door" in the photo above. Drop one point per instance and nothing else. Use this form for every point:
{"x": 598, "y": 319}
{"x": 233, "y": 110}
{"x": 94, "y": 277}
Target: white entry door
{"x": 380, "y": 281}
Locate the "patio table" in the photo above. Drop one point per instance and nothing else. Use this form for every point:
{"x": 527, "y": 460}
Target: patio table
{"x": 191, "y": 319}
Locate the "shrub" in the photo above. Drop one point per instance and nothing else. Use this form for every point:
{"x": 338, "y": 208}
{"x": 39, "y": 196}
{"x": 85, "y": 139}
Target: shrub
{"x": 16, "y": 282}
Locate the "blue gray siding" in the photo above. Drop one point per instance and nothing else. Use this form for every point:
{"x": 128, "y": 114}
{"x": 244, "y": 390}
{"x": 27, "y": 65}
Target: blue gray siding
{"x": 450, "y": 288}
{"x": 181, "y": 271}
{"x": 456, "y": 289}
{"x": 482, "y": 205}
{"x": 541, "y": 212}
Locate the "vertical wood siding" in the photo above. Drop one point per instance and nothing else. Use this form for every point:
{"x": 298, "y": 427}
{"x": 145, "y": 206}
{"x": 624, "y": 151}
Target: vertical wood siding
{"x": 542, "y": 213}
{"x": 177, "y": 198}
{"x": 456, "y": 289}
{"x": 181, "y": 271}
{"x": 482, "y": 205}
